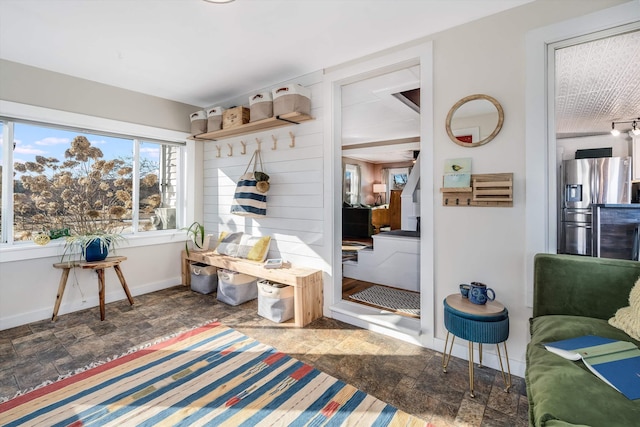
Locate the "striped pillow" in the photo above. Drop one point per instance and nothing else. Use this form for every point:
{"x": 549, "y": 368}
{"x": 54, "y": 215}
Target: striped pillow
{"x": 254, "y": 248}
{"x": 229, "y": 244}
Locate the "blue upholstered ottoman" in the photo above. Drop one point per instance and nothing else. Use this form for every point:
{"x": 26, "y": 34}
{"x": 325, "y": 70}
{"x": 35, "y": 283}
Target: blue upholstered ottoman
{"x": 482, "y": 324}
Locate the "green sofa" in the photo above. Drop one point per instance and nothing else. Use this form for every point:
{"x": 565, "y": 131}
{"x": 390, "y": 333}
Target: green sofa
{"x": 575, "y": 296}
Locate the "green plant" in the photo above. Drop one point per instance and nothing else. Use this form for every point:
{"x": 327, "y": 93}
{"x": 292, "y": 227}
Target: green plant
{"x": 195, "y": 233}
{"x": 80, "y": 242}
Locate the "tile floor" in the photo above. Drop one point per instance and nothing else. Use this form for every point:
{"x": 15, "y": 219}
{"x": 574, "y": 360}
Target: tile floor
{"x": 407, "y": 376}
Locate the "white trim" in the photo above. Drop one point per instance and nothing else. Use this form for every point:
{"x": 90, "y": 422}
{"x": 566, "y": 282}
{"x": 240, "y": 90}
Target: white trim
{"x": 22, "y": 251}
{"x": 335, "y": 78}
{"x": 112, "y": 294}
{"x": 7, "y": 184}
{"x": 17, "y": 251}
{"x": 64, "y": 118}
{"x": 540, "y": 152}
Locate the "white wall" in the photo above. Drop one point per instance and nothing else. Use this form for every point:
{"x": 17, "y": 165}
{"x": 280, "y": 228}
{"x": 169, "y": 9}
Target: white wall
{"x": 619, "y": 144}
{"x": 34, "y": 86}
{"x": 295, "y": 202}
{"x": 482, "y": 243}
{"x": 471, "y": 243}
{"x": 28, "y": 288}
{"x": 28, "y": 281}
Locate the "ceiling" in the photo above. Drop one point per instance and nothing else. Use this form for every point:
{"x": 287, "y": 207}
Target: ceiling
{"x": 598, "y": 82}
{"x": 200, "y": 53}
{"x": 377, "y": 126}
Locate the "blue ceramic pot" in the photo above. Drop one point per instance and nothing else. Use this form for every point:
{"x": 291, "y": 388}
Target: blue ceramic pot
{"x": 96, "y": 251}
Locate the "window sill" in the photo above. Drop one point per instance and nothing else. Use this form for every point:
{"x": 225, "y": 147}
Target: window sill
{"x": 29, "y": 250}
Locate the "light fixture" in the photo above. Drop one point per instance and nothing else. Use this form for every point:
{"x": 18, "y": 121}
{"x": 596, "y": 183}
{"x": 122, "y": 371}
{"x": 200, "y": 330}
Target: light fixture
{"x": 634, "y": 127}
{"x": 379, "y": 189}
{"x": 614, "y": 131}
{"x": 218, "y": 1}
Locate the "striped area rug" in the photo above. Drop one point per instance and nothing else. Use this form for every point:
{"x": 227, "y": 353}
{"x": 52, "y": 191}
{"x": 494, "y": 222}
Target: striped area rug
{"x": 391, "y": 298}
{"x": 212, "y": 375}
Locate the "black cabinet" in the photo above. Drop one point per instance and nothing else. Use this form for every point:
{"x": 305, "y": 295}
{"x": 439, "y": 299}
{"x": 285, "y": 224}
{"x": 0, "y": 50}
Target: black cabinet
{"x": 616, "y": 231}
{"x": 356, "y": 222}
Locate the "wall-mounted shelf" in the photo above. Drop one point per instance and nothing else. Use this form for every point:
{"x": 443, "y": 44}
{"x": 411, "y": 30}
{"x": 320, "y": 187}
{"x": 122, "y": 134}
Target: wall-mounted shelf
{"x": 491, "y": 189}
{"x": 257, "y": 126}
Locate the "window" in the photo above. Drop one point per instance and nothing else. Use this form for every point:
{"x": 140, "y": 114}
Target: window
{"x": 398, "y": 178}
{"x": 64, "y": 178}
{"x": 352, "y": 184}
{"x": 158, "y": 186}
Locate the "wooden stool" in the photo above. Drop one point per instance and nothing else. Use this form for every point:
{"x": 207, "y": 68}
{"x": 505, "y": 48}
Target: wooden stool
{"x": 99, "y": 267}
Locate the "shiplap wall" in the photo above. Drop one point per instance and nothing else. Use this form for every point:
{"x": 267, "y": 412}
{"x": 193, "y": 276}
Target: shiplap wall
{"x": 295, "y": 203}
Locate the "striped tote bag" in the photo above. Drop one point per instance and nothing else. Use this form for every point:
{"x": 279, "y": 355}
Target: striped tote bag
{"x": 250, "y": 198}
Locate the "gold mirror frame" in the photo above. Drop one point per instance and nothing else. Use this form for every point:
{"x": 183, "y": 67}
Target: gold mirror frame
{"x": 460, "y": 104}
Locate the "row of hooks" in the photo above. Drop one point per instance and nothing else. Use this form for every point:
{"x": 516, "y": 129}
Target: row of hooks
{"x": 243, "y": 151}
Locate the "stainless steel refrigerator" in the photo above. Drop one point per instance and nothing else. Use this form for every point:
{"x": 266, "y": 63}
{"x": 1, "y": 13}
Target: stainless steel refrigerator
{"x": 585, "y": 182}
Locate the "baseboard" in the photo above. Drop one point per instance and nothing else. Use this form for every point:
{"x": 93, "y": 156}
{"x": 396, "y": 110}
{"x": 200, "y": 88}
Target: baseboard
{"x": 408, "y": 329}
{"x": 377, "y": 320}
{"x": 91, "y": 301}
{"x": 489, "y": 355}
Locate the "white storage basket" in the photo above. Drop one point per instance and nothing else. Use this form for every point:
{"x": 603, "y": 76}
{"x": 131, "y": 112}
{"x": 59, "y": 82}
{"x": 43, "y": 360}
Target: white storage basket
{"x": 291, "y": 99}
{"x": 236, "y": 288}
{"x": 261, "y": 106}
{"x": 275, "y": 301}
{"x": 214, "y": 119}
{"x": 198, "y": 122}
{"x": 204, "y": 279}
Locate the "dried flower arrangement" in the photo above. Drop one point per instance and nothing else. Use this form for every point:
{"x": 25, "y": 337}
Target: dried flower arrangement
{"x": 86, "y": 198}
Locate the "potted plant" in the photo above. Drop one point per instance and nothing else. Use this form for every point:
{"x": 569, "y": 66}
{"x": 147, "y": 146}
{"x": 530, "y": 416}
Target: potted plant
{"x": 93, "y": 246}
{"x": 196, "y": 235}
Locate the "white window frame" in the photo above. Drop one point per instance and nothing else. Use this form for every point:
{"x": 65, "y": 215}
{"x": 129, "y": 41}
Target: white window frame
{"x": 15, "y": 251}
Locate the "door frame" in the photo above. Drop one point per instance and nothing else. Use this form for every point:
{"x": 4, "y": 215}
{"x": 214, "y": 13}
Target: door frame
{"x": 335, "y": 78}
{"x": 540, "y": 148}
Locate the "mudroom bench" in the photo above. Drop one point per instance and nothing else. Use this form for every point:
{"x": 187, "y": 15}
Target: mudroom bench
{"x": 306, "y": 282}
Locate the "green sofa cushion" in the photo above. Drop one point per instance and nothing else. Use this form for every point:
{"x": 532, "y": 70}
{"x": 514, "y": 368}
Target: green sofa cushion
{"x": 565, "y": 393}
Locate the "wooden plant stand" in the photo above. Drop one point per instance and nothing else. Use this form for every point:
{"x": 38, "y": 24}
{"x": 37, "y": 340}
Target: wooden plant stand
{"x": 99, "y": 267}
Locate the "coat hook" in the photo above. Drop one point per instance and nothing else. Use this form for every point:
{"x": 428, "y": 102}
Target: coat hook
{"x": 293, "y": 139}
{"x": 244, "y": 147}
{"x": 218, "y": 149}
{"x": 230, "y": 150}
{"x": 275, "y": 142}
{"x": 259, "y": 142}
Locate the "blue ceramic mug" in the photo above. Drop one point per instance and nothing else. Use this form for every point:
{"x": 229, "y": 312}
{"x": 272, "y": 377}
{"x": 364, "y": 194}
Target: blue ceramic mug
{"x": 480, "y": 293}
{"x": 464, "y": 290}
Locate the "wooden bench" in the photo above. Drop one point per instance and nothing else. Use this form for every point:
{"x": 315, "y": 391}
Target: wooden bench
{"x": 306, "y": 282}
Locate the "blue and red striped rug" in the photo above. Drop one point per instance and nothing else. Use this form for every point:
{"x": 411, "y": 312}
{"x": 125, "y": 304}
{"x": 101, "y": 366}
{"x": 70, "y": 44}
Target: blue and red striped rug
{"x": 211, "y": 375}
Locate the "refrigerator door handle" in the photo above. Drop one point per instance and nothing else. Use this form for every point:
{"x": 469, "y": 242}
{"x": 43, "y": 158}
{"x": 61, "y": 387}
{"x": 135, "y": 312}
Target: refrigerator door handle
{"x": 595, "y": 183}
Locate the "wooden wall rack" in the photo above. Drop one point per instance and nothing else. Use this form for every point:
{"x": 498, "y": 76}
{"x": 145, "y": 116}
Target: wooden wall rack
{"x": 491, "y": 189}
{"x": 257, "y": 126}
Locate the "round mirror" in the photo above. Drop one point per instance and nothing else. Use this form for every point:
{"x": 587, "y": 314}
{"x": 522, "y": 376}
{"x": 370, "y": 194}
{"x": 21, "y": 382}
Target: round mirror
{"x": 474, "y": 120}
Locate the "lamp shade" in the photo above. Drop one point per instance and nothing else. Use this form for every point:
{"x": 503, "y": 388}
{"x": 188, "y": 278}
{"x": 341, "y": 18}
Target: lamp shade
{"x": 379, "y": 188}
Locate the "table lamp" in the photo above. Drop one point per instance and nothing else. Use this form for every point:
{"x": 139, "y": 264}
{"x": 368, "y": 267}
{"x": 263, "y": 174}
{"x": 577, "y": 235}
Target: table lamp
{"x": 379, "y": 189}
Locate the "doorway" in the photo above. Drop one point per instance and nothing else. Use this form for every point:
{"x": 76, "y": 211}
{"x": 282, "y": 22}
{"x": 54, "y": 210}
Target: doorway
{"x": 370, "y": 141}
{"x": 380, "y": 133}
{"x": 540, "y": 139}
{"x": 596, "y": 77}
